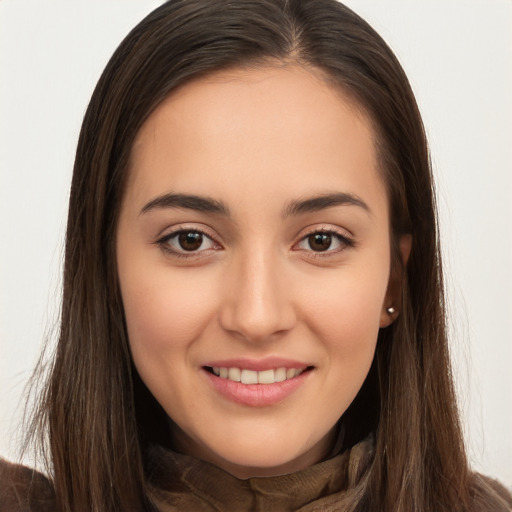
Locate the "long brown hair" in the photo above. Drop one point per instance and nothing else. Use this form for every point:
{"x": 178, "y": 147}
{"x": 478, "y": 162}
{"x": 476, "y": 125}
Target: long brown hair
{"x": 97, "y": 413}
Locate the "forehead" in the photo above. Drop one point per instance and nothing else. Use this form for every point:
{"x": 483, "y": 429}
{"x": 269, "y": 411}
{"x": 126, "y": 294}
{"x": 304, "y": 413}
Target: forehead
{"x": 284, "y": 126}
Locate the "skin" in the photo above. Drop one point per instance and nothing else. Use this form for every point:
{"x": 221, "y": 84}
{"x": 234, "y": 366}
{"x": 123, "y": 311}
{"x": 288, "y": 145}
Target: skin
{"x": 255, "y": 140}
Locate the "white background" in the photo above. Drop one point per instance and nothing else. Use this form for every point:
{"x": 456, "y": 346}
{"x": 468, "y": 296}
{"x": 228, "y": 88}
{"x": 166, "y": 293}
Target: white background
{"x": 458, "y": 56}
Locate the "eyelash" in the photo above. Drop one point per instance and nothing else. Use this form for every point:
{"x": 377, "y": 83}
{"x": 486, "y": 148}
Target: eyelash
{"x": 345, "y": 241}
{"x": 163, "y": 242}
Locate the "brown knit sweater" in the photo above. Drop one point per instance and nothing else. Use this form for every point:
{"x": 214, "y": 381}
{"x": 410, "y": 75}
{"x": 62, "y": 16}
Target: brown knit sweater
{"x": 185, "y": 484}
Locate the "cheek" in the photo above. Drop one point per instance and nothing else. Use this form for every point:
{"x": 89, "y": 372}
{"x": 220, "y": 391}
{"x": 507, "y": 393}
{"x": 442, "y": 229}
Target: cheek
{"x": 165, "y": 312}
{"x": 348, "y": 306}
{"x": 349, "y": 335}
{"x": 349, "y": 332}
{"x": 344, "y": 314}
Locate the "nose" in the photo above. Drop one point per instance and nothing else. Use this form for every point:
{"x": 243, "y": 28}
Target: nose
{"x": 257, "y": 304}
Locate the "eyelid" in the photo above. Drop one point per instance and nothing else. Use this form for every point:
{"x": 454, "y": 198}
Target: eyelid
{"x": 162, "y": 240}
{"x": 343, "y": 235}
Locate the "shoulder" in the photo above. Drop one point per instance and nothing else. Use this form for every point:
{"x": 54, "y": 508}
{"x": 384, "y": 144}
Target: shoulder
{"x": 24, "y": 490}
{"x": 488, "y": 494}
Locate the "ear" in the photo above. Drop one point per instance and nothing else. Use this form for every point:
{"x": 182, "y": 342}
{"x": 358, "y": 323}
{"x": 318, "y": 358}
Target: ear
{"x": 394, "y": 291}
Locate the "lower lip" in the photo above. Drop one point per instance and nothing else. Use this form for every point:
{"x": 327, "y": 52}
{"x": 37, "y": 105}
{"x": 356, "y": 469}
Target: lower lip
{"x": 256, "y": 395}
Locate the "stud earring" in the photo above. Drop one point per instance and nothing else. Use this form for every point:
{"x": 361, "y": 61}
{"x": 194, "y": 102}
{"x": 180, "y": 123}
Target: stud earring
{"x": 390, "y": 310}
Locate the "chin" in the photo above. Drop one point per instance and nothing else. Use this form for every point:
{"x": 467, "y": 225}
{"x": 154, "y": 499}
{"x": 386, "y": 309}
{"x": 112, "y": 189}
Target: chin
{"x": 267, "y": 457}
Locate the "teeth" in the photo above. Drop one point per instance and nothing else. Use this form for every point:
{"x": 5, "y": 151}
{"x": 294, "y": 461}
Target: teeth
{"x": 234, "y": 374}
{"x": 280, "y": 375}
{"x": 266, "y": 377}
{"x": 249, "y": 377}
{"x": 253, "y": 377}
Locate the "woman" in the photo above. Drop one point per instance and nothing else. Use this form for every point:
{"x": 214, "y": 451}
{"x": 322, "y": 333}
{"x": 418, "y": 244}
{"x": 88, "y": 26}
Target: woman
{"x": 253, "y": 300}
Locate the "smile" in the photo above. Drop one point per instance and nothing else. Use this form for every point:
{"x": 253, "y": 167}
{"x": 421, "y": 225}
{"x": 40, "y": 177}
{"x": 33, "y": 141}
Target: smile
{"x": 257, "y": 383}
{"x": 246, "y": 376}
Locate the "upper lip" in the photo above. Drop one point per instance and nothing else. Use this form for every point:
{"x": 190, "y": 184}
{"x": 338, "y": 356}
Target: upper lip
{"x": 269, "y": 363}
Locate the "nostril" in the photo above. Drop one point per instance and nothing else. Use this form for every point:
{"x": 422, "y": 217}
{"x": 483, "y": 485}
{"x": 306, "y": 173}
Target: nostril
{"x": 257, "y": 311}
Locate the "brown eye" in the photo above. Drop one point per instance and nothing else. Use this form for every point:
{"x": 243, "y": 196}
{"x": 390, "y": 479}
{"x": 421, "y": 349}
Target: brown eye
{"x": 186, "y": 241}
{"x": 190, "y": 240}
{"x": 329, "y": 242}
{"x": 320, "y": 241}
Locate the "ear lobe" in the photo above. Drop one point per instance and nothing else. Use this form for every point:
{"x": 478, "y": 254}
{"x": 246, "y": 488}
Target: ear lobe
{"x": 392, "y": 302}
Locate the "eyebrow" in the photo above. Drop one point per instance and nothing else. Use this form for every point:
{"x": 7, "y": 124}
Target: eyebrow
{"x": 297, "y": 207}
{"x": 188, "y": 201}
{"x": 323, "y": 201}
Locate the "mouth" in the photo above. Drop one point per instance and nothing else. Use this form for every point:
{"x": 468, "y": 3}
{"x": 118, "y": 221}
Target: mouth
{"x": 246, "y": 376}
{"x": 257, "y": 383}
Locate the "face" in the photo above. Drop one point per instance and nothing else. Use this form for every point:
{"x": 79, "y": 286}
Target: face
{"x": 253, "y": 254}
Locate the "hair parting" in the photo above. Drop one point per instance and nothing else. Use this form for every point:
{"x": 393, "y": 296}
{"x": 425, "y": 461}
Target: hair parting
{"x": 98, "y": 415}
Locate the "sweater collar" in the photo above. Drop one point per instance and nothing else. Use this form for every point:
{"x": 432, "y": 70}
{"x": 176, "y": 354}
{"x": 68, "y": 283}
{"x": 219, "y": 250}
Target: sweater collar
{"x": 177, "y": 479}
